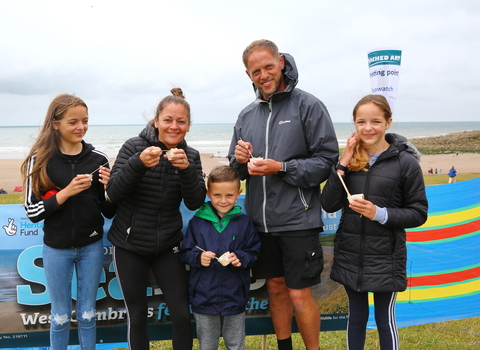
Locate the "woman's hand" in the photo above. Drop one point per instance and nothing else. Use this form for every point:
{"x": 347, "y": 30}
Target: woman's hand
{"x": 104, "y": 174}
{"x": 178, "y": 158}
{"x": 150, "y": 156}
{"x": 363, "y": 207}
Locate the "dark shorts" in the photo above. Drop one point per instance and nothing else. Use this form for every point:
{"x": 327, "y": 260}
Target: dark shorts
{"x": 297, "y": 258}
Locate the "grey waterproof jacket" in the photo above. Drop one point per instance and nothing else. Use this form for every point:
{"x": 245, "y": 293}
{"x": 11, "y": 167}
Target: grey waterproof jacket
{"x": 292, "y": 127}
{"x": 369, "y": 256}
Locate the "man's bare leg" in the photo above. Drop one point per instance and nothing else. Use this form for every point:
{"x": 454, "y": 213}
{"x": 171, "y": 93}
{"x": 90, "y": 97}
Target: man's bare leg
{"x": 307, "y": 316}
{"x": 281, "y": 307}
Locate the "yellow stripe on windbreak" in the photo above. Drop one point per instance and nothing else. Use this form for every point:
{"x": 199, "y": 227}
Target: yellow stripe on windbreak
{"x": 427, "y": 294}
{"x": 451, "y": 219}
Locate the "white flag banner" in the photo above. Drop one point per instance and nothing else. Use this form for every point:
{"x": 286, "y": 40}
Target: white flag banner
{"x": 384, "y": 65}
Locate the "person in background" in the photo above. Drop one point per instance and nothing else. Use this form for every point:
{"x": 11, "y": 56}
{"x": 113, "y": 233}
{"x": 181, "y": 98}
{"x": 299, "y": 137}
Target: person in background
{"x": 65, "y": 180}
{"x": 149, "y": 186}
{"x": 452, "y": 173}
{"x": 370, "y": 251}
{"x": 292, "y": 133}
{"x": 219, "y": 286}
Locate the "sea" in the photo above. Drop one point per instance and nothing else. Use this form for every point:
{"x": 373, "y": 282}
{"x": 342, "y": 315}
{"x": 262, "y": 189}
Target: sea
{"x": 213, "y": 139}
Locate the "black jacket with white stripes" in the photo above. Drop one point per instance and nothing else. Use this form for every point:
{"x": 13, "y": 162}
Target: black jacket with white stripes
{"x": 77, "y": 222}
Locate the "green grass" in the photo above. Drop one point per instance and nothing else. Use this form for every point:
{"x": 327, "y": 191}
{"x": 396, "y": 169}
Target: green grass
{"x": 443, "y": 179}
{"x": 15, "y": 198}
{"x": 452, "y": 335}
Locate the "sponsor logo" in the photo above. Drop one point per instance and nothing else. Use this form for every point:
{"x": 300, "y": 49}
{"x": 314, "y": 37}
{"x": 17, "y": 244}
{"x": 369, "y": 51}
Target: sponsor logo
{"x": 11, "y": 228}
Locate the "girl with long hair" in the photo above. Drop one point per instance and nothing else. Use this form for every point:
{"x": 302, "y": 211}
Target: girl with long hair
{"x": 65, "y": 180}
{"x": 370, "y": 251}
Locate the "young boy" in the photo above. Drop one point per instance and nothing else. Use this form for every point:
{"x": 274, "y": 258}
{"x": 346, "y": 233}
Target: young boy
{"x": 219, "y": 288}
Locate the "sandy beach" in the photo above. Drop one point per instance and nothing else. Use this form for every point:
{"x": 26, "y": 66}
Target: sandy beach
{"x": 464, "y": 163}
{"x": 10, "y": 170}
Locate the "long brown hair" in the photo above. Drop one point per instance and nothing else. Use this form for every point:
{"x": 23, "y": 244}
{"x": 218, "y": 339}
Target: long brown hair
{"x": 47, "y": 143}
{"x": 360, "y": 157}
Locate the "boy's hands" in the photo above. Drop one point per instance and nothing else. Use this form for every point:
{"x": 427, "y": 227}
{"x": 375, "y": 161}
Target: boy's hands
{"x": 207, "y": 257}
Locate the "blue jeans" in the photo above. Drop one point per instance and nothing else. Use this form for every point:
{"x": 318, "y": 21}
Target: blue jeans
{"x": 59, "y": 269}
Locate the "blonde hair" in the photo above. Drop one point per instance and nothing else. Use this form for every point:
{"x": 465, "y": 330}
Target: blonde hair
{"x": 258, "y": 45}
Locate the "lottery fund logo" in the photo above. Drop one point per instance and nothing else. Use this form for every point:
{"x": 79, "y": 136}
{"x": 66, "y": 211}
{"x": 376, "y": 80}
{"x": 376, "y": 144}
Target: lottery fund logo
{"x": 11, "y": 228}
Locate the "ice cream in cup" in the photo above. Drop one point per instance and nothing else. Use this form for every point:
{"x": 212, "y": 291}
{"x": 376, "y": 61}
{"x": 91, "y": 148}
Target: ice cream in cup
{"x": 253, "y": 160}
{"x": 171, "y": 153}
{"x": 88, "y": 177}
{"x": 223, "y": 259}
{"x": 351, "y": 197}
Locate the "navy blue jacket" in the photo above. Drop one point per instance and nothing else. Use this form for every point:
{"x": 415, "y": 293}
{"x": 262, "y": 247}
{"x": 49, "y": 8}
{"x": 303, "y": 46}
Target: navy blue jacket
{"x": 217, "y": 289}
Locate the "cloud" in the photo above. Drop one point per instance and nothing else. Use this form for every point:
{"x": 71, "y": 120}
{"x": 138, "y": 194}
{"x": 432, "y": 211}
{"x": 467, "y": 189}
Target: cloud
{"x": 123, "y": 57}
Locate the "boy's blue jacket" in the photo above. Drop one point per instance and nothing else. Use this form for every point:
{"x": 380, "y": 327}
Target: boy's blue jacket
{"x": 217, "y": 289}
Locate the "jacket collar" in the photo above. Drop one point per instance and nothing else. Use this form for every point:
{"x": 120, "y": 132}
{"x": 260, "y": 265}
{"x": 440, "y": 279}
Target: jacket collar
{"x": 209, "y": 213}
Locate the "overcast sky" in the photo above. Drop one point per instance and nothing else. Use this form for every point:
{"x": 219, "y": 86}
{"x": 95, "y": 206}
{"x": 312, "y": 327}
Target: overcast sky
{"x": 122, "y": 57}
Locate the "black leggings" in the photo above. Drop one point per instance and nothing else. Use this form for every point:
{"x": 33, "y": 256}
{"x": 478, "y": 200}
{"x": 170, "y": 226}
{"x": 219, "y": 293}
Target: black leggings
{"x": 132, "y": 272}
{"x": 384, "y": 317}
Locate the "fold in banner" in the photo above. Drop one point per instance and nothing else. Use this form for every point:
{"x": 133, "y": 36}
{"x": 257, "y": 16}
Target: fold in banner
{"x": 384, "y": 66}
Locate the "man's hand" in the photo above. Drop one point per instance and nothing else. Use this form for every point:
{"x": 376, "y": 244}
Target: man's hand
{"x": 264, "y": 167}
{"x": 243, "y": 151}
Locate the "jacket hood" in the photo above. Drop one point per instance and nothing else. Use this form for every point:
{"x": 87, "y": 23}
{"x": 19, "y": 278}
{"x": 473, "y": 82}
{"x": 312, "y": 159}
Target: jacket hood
{"x": 403, "y": 144}
{"x": 150, "y": 134}
{"x": 209, "y": 213}
{"x": 290, "y": 74}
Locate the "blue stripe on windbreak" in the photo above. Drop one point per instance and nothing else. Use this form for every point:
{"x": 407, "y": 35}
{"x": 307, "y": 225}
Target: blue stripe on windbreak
{"x": 442, "y": 256}
{"x": 453, "y": 196}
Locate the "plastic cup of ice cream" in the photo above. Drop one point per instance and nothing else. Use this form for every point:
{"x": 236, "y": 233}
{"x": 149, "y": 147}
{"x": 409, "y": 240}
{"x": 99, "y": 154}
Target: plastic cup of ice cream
{"x": 223, "y": 259}
{"x": 357, "y": 196}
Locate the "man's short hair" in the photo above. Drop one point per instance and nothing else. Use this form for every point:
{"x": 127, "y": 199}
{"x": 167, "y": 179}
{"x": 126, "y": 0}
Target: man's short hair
{"x": 260, "y": 44}
{"x": 223, "y": 173}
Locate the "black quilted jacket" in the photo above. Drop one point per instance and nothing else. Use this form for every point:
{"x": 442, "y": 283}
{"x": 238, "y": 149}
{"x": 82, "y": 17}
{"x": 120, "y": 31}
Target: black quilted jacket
{"x": 368, "y": 256}
{"x": 148, "y": 219}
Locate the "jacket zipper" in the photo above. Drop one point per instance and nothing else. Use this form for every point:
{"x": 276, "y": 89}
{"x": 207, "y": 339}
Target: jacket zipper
{"x": 362, "y": 241}
{"x": 302, "y": 198}
{"x": 73, "y": 218}
{"x": 264, "y": 179}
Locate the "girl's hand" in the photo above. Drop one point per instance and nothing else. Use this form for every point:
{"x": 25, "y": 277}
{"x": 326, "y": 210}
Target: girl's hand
{"x": 206, "y": 258}
{"x": 234, "y": 260}
{"x": 349, "y": 148}
{"x": 78, "y": 184}
{"x": 363, "y": 207}
{"x": 104, "y": 174}
{"x": 150, "y": 156}
{"x": 178, "y": 158}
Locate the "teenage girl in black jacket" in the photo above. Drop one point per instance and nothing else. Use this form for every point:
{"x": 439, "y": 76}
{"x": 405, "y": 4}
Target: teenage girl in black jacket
{"x": 370, "y": 251}
{"x": 65, "y": 180}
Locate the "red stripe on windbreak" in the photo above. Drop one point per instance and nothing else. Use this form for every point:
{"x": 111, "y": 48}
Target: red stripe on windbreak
{"x": 442, "y": 233}
{"x": 452, "y": 277}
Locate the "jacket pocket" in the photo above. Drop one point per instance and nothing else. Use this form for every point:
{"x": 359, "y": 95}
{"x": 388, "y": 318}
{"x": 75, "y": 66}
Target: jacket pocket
{"x": 313, "y": 263}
